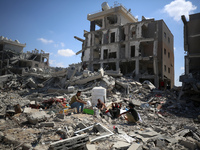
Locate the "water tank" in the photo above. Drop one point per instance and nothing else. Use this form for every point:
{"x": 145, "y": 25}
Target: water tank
{"x": 105, "y": 6}
{"x": 98, "y": 93}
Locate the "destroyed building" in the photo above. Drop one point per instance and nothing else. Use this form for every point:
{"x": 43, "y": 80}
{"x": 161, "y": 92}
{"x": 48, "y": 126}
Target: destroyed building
{"x": 117, "y": 41}
{"x": 191, "y": 78}
{"x": 14, "y": 60}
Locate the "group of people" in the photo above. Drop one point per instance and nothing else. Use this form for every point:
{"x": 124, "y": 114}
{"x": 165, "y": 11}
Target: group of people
{"x": 131, "y": 114}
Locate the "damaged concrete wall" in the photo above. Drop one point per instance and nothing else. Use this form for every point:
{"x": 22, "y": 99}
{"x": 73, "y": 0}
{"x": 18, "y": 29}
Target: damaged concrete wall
{"x": 191, "y": 78}
{"x": 13, "y": 60}
{"x": 127, "y": 44}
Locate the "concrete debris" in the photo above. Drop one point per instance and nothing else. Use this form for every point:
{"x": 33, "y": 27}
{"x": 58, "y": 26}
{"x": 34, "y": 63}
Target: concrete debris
{"x": 35, "y": 111}
{"x": 41, "y": 118}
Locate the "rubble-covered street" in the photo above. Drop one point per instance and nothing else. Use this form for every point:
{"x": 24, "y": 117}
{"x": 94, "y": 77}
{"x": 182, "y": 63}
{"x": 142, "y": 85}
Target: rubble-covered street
{"x": 121, "y": 93}
{"x": 35, "y": 114}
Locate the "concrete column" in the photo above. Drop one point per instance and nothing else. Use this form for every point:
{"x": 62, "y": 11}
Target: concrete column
{"x": 137, "y": 48}
{"x": 101, "y": 65}
{"x": 117, "y": 65}
{"x": 186, "y": 65}
{"x": 137, "y": 67}
{"x": 127, "y": 49}
{"x": 155, "y": 63}
{"x": 139, "y": 30}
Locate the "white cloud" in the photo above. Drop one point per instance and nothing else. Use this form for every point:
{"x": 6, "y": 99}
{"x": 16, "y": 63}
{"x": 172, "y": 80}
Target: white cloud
{"x": 53, "y": 63}
{"x": 66, "y": 52}
{"x": 45, "y": 41}
{"x": 174, "y": 48}
{"x": 59, "y": 44}
{"x": 62, "y": 44}
{"x": 56, "y": 45}
{"x": 182, "y": 68}
{"x": 177, "y": 8}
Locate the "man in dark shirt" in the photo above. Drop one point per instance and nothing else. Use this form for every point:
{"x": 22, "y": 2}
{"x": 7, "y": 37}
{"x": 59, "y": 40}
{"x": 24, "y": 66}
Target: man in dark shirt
{"x": 131, "y": 114}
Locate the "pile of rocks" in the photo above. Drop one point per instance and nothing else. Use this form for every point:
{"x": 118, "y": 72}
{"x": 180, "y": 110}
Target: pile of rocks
{"x": 40, "y": 118}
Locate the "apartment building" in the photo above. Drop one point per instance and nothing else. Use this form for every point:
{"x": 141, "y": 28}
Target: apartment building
{"x": 118, "y": 41}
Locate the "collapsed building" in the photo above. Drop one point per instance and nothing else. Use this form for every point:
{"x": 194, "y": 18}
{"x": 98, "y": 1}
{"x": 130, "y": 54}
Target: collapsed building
{"x": 191, "y": 78}
{"x": 143, "y": 49}
{"x": 14, "y": 60}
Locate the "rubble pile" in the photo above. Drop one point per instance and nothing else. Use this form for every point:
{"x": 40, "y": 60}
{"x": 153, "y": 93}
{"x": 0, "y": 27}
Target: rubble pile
{"x": 35, "y": 114}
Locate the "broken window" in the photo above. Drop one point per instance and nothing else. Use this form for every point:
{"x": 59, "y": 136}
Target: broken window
{"x": 112, "y": 37}
{"x": 146, "y": 67}
{"x": 127, "y": 67}
{"x": 92, "y": 26}
{"x": 109, "y": 66}
{"x": 133, "y": 32}
{"x": 96, "y": 54}
{"x": 112, "y": 19}
{"x": 96, "y": 24}
{"x": 96, "y": 67}
{"x": 123, "y": 36}
{"x": 132, "y": 51}
{"x": 112, "y": 55}
{"x": 164, "y": 34}
{"x": 146, "y": 49}
{"x": 145, "y": 30}
{"x": 98, "y": 38}
{"x": 122, "y": 51}
{"x": 1, "y": 47}
{"x": 105, "y": 54}
{"x": 35, "y": 57}
{"x": 168, "y": 54}
{"x": 105, "y": 39}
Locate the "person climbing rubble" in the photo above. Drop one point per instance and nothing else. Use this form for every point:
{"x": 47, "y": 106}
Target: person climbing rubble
{"x": 131, "y": 114}
{"x": 77, "y": 102}
{"x": 115, "y": 111}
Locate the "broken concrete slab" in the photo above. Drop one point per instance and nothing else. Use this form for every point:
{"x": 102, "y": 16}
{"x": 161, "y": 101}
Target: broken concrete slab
{"x": 148, "y": 132}
{"x": 121, "y": 145}
{"x": 37, "y": 116}
{"x": 135, "y": 146}
{"x": 90, "y": 147}
{"x": 188, "y": 144}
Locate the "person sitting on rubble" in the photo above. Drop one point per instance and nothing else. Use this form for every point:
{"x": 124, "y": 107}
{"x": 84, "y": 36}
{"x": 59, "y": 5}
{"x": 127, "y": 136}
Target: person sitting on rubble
{"x": 115, "y": 111}
{"x": 131, "y": 114}
{"x": 77, "y": 102}
{"x": 101, "y": 105}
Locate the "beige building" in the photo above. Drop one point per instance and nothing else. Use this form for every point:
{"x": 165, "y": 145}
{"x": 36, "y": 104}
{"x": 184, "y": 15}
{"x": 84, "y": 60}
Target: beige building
{"x": 118, "y": 41}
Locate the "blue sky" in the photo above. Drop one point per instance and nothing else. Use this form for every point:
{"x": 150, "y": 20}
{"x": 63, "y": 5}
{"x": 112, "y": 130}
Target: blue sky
{"x": 51, "y": 25}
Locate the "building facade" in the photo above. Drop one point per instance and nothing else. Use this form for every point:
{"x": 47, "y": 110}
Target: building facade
{"x": 191, "y": 78}
{"x": 118, "y": 41}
